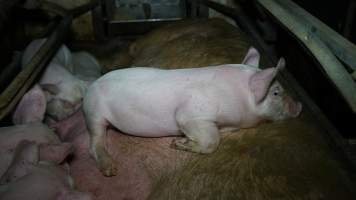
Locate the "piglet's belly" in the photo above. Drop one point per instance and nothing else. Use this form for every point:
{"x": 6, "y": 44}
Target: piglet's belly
{"x": 146, "y": 126}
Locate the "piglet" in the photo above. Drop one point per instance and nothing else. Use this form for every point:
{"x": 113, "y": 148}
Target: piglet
{"x": 63, "y": 92}
{"x": 24, "y": 154}
{"x": 62, "y": 84}
{"x": 195, "y": 102}
{"x": 11, "y": 136}
{"x": 29, "y": 178}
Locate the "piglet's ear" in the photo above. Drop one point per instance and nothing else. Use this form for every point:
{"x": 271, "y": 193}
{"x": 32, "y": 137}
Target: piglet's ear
{"x": 262, "y": 80}
{"x": 64, "y": 58}
{"x": 252, "y": 57}
{"x": 281, "y": 64}
{"x": 31, "y": 108}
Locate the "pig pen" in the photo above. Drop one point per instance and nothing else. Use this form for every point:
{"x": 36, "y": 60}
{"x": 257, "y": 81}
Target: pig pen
{"x": 292, "y": 159}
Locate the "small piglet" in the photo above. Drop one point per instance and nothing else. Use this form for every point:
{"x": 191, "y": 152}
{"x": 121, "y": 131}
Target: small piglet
{"x": 28, "y": 177}
{"x": 195, "y": 102}
{"x": 62, "y": 84}
{"x": 12, "y": 135}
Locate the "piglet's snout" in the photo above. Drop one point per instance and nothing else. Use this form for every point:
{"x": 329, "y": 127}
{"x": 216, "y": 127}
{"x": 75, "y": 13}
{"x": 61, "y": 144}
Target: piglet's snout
{"x": 291, "y": 107}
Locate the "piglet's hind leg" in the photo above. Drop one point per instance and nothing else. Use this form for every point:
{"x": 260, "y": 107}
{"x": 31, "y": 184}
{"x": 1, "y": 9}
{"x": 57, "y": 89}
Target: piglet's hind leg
{"x": 103, "y": 160}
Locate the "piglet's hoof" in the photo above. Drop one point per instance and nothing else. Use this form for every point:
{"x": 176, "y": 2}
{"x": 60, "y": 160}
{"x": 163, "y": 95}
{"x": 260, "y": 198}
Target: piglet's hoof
{"x": 107, "y": 167}
{"x": 180, "y": 144}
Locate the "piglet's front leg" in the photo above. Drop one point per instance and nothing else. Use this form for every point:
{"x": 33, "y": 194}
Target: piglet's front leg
{"x": 202, "y": 136}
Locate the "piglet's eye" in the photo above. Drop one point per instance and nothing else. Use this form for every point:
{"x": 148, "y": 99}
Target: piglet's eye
{"x": 276, "y": 92}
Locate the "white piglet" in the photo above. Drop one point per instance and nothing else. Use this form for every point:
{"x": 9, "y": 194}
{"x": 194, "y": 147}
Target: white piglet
{"x": 61, "y": 86}
{"x": 194, "y": 102}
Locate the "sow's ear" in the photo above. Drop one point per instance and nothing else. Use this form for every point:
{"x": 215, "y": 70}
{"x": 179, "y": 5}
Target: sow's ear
{"x": 252, "y": 57}
{"x": 261, "y": 81}
{"x": 32, "y": 107}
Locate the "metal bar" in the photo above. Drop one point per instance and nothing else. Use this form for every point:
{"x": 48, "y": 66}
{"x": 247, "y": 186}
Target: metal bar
{"x": 350, "y": 19}
{"x": 242, "y": 21}
{"x": 99, "y": 23}
{"x": 59, "y": 10}
{"x": 25, "y": 79}
{"x": 84, "y": 8}
{"x": 53, "y": 7}
{"x": 6, "y": 8}
{"x": 341, "y": 47}
{"x": 308, "y": 34}
{"x": 10, "y": 71}
{"x": 109, "y": 8}
{"x": 12, "y": 94}
{"x": 193, "y": 8}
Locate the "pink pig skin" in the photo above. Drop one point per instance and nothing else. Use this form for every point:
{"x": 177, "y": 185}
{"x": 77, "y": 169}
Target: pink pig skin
{"x": 31, "y": 108}
{"x": 195, "y": 102}
{"x": 29, "y": 178}
{"x": 62, "y": 90}
{"x": 11, "y": 136}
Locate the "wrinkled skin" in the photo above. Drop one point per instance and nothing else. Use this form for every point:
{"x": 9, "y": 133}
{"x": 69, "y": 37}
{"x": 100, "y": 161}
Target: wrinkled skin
{"x": 30, "y": 178}
{"x": 151, "y": 102}
{"x": 64, "y": 81}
